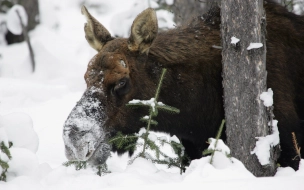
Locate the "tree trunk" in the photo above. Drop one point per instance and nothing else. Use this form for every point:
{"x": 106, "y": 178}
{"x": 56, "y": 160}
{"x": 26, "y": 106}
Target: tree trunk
{"x": 244, "y": 79}
{"x": 186, "y": 10}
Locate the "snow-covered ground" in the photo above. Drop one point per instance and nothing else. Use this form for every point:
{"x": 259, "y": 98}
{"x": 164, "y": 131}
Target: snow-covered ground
{"x": 43, "y": 101}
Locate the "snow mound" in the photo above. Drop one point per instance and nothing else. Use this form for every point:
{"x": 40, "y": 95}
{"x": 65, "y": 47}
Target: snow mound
{"x": 202, "y": 169}
{"x": 142, "y": 166}
{"x": 19, "y": 130}
{"x": 23, "y": 162}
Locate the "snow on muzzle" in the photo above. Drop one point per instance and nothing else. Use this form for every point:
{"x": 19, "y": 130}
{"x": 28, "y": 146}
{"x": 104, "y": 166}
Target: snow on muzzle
{"x": 83, "y": 133}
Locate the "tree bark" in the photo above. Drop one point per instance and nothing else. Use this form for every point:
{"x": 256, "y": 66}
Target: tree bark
{"x": 244, "y": 79}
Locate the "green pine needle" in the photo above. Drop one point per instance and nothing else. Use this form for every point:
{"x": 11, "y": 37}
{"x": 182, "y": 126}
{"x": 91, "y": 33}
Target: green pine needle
{"x": 208, "y": 151}
{"x": 212, "y": 151}
{"x": 77, "y": 164}
{"x": 5, "y": 150}
{"x": 168, "y": 109}
{"x": 153, "y": 122}
{"x": 125, "y": 142}
{"x": 4, "y": 165}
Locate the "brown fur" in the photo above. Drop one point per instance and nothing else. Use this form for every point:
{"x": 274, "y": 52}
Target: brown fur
{"x": 194, "y": 83}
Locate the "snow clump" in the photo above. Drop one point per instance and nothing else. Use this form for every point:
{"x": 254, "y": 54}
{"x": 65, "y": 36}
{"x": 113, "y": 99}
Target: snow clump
{"x": 254, "y": 46}
{"x": 234, "y": 40}
{"x": 13, "y": 21}
{"x": 267, "y": 97}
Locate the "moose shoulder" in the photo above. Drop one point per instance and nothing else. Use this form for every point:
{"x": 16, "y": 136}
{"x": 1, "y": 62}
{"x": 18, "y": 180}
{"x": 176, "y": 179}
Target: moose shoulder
{"x": 129, "y": 68}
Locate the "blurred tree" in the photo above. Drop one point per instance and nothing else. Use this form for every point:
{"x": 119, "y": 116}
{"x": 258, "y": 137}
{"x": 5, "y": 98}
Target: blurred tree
{"x": 186, "y": 10}
{"x": 32, "y": 9}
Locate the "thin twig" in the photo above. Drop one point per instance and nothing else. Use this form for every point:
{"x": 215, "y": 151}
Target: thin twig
{"x": 27, "y": 39}
{"x": 296, "y": 146}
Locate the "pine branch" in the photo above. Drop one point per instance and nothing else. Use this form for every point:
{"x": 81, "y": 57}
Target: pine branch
{"x": 146, "y": 120}
{"x": 154, "y": 105}
{"x": 208, "y": 151}
{"x": 3, "y": 164}
{"x": 169, "y": 109}
{"x": 126, "y": 142}
{"x": 5, "y": 150}
{"x": 218, "y": 135}
{"x": 77, "y": 164}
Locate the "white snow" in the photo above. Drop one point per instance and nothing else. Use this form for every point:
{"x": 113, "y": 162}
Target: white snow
{"x": 19, "y": 130}
{"x": 150, "y": 102}
{"x": 220, "y": 146}
{"x": 174, "y": 139}
{"x": 3, "y": 136}
{"x": 146, "y": 117}
{"x": 170, "y": 2}
{"x": 263, "y": 145}
{"x": 12, "y": 19}
{"x": 152, "y": 137}
{"x": 234, "y": 40}
{"x": 267, "y": 97}
{"x": 125, "y": 13}
{"x": 23, "y": 162}
{"x": 48, "y": 96}
{"x": 142, "y": 131}
{"x": 254, "y": 46}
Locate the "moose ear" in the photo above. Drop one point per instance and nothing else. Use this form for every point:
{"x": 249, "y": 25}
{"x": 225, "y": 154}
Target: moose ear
{"x": 95, "y": 33}
{"x": 143, "y": 31}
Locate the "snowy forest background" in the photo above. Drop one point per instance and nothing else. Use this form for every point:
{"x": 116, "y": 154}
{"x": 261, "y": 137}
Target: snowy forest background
{"x": 34, "y": 106}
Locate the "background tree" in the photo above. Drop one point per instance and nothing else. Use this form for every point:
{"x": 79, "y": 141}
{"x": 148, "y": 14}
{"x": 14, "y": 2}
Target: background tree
{"x": 32, "y": 9}
{"x": 185, "y": 11}
{"x": 244, "y": 79}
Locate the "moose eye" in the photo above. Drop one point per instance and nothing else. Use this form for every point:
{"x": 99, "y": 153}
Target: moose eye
{"x": 121, "y": 83}
{"x": 121, "y": 88}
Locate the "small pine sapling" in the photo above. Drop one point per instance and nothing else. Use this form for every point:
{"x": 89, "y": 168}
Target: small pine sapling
{"x": 129, "y": 142}
{"x": 182, "y": 159}
{"x": 212, "y": 149}
{"x": 5, "y": 156}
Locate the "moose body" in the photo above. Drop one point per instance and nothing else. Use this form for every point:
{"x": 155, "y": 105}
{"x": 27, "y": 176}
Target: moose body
{"x": 129, "y": 68}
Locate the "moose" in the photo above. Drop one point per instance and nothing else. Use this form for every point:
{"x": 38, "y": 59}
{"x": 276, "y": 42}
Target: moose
{"x": 129, "y": 68}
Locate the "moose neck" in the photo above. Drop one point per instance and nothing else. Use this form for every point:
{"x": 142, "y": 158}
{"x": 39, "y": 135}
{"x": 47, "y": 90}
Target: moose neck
{"x": 192, "y": 44}
{"x": 192, "y": 76}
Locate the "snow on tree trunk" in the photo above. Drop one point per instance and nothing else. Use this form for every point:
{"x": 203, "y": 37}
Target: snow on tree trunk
{"x": 244, "y": 79}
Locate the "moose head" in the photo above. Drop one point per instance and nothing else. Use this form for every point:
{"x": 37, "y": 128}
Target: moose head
{"x": 111, "y": 83}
